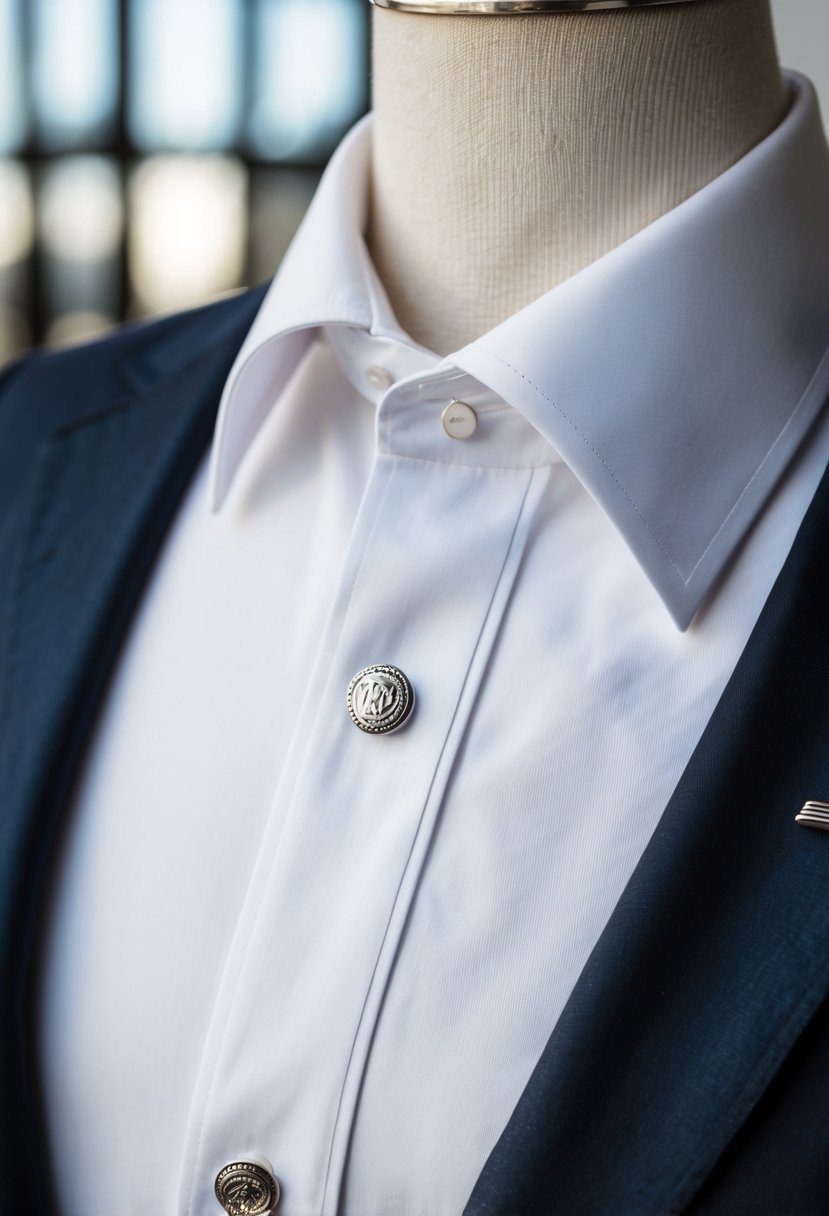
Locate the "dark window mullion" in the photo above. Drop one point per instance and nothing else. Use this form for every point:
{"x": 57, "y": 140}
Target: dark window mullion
{"x": 123, "y": 151}
{"x": 247, "y": 49}
{"x": 35, "y": 301}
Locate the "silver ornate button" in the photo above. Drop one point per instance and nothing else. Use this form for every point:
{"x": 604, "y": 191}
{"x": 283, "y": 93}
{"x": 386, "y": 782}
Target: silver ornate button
{"x": 380, "y": 699}
{"x": 247, "y": 1188}
{"x": 459, "y": 420}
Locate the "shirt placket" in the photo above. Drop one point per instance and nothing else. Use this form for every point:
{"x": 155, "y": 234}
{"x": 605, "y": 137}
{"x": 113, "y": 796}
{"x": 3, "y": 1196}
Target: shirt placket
{"x": 433, "y": 556}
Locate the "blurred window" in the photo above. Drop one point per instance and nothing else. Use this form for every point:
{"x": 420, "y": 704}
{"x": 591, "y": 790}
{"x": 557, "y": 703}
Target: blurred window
{"x": 185, "y": 74}
{"x": 16, "y": 216}
{"x": 308, "y": 72}
{"x": 187, "y": 240}
{"x": 74, "y": 71}
{"x": 157, "y": 153}
{"x": 80, "y": 223}
{"x": 12, "y": 103}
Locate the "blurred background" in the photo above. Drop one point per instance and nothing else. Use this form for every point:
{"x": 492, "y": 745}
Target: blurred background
{"x": 155, "y": 154}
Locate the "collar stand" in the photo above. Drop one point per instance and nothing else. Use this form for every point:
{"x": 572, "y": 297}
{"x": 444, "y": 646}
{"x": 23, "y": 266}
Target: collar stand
{"x": 677, "y": 375}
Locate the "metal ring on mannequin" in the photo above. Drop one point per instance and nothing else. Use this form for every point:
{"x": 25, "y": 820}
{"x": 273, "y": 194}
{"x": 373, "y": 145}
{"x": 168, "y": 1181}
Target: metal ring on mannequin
{"x": 513, "y": 7}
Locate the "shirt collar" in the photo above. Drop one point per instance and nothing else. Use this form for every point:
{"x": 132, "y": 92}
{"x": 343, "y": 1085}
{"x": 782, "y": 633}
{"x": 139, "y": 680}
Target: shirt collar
{"x": 676, "y": 376}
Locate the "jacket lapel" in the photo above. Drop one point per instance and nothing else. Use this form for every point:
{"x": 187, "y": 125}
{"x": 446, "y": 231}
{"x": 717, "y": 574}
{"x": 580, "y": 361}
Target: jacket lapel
{"x": 715, "y": 957}
{"x": 105, "y": 491}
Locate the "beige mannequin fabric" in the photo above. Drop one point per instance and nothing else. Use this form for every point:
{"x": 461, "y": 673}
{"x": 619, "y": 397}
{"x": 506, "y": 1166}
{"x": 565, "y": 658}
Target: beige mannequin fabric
{"x": 510, "y": 152}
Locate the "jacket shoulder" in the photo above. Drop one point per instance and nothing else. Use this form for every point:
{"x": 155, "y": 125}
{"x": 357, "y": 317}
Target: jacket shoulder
{"x": 49, "y": 390}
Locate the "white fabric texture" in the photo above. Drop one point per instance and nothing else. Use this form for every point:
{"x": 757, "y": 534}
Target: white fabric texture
{"x": 272, "y": 933}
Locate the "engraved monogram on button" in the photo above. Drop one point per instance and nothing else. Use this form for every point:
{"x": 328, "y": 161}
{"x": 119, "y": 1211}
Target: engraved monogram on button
{"x": 244, "y": 1188}
{"x": 459, "y": 420}
{"x": 380, "y": 699}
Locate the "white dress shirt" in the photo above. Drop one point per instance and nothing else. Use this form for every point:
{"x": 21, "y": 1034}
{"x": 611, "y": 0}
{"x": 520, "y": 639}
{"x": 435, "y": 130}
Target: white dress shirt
{"x": 273, "y": 933}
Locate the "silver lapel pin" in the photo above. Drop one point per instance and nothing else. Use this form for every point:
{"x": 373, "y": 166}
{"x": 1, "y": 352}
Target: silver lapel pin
{"x": 815, "y": 815}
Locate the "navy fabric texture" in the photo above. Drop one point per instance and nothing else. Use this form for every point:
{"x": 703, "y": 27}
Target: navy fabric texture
{"x": 689, "y": 1072}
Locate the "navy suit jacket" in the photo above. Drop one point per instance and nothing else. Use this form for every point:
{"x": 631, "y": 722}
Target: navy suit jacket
{"x": 689, "y": 1072}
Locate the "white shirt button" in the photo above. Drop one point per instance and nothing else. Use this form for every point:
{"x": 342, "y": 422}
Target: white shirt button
{"x": 379, "y": 377}
{"x": 247, "y": 1187}
{"x": 459, "y": 420}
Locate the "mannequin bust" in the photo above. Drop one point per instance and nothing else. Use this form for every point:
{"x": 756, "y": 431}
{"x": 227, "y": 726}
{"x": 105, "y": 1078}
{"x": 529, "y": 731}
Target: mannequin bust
{"x": 511, "y": 151}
